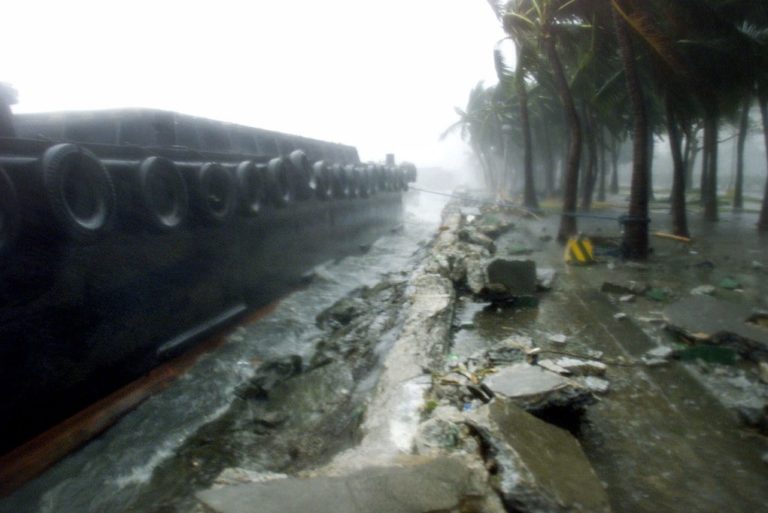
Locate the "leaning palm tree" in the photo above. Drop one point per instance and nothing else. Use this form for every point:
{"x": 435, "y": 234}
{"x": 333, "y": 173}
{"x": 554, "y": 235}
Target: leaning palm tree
{"x": 542, "y": 21}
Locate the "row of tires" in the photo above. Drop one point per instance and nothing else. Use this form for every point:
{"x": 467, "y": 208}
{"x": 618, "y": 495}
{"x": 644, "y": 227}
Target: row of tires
{"x": 84, "y": 193}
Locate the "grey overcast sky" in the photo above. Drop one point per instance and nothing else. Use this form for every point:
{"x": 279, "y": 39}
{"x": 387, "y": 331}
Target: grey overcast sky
{"x": 381, "y": 75}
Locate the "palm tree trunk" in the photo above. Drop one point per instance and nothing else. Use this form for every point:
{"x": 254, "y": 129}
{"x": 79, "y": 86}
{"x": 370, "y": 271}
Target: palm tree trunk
{"x": 590, "y": 173}
{"x": 636, "y": 227}
{"x": 738, "y": 192}
{"x": 679, "y": 221}
{"x": 710, "y": 198}
{"x": 615, "y": 149}
{"x": 762, "y": 223}
{"x": 571, "y": 171}
{"x": 603, "y": 169}
{"x": 705, "y": 155}
{"x": 651, "y": 149}
{"x": 529, "y": 193}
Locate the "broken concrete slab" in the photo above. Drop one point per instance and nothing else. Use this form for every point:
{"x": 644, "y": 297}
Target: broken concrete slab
{"x": 581, "y": 367}
{"x": 545, "y": 278}
{"x": 517, "y": 276}
{"x": 707, "y": 319}
{"x": 558, "y": 338}
{"x": 472, "y": 236}
{"x": 597, "y": 385}
{"x": 535, "y": 388}
{"x": 542, "y": 468}
{"x": 703, "y": 290}
{"x": 440, "y": 484}
{"x": 551, "y": 366}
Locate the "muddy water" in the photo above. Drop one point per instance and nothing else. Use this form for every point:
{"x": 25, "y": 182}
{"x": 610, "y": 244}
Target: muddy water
{"x": 114, "y": 473}
{"x": 657, "y": 440}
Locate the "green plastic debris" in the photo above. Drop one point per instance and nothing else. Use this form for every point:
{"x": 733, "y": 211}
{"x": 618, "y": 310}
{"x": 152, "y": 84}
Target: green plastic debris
{"x": 709, "y": 353}
{"x": 453, "y": 356}
{"x": 729, "y": 284}
{"x": 526, "y": 302}
{"x": 656, "y": 294}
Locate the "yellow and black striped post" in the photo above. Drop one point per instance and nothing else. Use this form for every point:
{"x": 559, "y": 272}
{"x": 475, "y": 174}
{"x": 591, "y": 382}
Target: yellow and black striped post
{"x": 579, "y": 251}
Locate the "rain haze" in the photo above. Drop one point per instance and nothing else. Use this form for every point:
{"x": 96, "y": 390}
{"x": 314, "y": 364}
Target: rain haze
{"x": 381, "y": 76}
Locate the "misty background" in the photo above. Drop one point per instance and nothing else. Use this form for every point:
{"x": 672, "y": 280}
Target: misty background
{"x": 382, "y": 76}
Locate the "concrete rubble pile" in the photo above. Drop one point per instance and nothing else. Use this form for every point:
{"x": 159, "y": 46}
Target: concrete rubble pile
{"x": 441, "y": 435}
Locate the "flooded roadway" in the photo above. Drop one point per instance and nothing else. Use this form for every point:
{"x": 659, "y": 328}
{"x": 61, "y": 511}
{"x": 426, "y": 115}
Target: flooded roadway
{"x": 113, "y": 473}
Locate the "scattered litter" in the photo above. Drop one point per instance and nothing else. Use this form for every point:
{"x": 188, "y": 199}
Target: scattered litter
{"x": 627, "y": 298}
{"x": 672, "y": 236}
{"x": 665, "y": 352}
{"x": 581, "y": 367}
{"x": 551, "y": 366}
{"x": 652, "y": 320}
{"x": 545, "y": 277}
{"x": 729, "y": 284}
{"x": 532, "y": 355}
{"x": 709, "y": 353}
{"x": 558, "y": 338}
{"x": 597, "y": 385}
{"x": 620, "y": 316}
{"x": 657, "y": 294}
{"x": 594, "y": 354}
{"x": 658, "y": 356}
{"x": 703, "y": 290}
{"x": 756, "y": 265}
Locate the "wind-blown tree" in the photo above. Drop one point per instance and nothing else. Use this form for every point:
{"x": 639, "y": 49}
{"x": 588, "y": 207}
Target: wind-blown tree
{"x": 479, "y": 125}
{"x": 543, "y": 21}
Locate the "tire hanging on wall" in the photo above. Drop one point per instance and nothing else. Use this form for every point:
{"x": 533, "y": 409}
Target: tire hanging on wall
{"x": 280, "y": 186}
{"x": 340, "y": 184}
{"x": 353, "y": 180}
{"x": 79, "y": 191}
{"x": 10, "y": 215}
{"x": 304, "y": 182}
{"x": 324, "y": 180}
{"x": 216, "y": 193}
{"x": 163, "y": 193}
{"x": 251, "y": 187}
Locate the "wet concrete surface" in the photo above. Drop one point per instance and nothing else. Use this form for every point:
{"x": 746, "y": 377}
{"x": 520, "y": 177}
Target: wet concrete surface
{"x": 658, "y": 439}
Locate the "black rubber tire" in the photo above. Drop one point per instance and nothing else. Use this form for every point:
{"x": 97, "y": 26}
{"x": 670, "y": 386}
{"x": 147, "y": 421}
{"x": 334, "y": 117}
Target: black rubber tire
{"x": 304, "y": 182}
{"x": 364, "y": 182}
{"x": 340, "y": 184}
{"x": 163, "y": 193}
{"x": 251, "y": 187}
{"x": 324, "y": 179}
{"x": 10, "y": 214}
{"x": 281, "y": 190}
{"x": 216, "y": 193}
{"x": 372, "y": 178}
{"x": 79, "y": 190}
{"x": 353, "y": 181}
{"x": 381, "y": 178}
